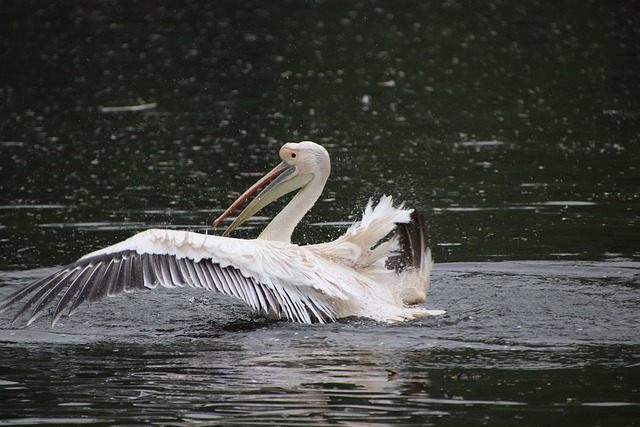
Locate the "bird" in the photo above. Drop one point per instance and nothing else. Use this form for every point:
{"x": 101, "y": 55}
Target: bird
{"x": 358, "y": 274}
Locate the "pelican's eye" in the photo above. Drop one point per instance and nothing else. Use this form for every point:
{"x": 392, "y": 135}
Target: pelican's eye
{"x": 293, "y": 155}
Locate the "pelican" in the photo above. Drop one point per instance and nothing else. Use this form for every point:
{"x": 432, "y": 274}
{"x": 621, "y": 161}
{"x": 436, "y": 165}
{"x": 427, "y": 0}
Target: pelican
{"x": 354, "y": 275}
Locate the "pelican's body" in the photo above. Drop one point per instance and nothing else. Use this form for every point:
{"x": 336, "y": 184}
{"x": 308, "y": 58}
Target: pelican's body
{"x": 354, "y": 275}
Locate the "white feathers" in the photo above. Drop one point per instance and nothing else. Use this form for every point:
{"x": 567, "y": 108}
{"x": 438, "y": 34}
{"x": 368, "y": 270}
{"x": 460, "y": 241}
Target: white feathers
{"x": 356, "y": 244}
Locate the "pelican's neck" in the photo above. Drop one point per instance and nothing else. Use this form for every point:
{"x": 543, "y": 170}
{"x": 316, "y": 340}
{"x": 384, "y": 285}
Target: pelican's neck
{"x": 281, "y": 227}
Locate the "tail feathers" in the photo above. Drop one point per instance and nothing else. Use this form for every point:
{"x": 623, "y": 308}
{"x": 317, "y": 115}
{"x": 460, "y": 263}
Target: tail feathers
{"x": 414, "y": 250}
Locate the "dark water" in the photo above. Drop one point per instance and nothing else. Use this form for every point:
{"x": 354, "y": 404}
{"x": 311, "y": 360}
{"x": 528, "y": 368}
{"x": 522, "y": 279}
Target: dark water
{"x": 514, "y": 126}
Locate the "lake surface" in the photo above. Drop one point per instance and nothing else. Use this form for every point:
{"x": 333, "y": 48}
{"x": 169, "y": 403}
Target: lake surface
{"x": 514, "y": 127}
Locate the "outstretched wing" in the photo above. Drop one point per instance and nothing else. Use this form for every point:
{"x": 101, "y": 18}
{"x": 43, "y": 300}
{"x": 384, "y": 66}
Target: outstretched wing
{"x": 259, "y": 274}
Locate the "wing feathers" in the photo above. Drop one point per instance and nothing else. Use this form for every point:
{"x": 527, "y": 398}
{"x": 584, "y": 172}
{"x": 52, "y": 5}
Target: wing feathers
{"x": 76, "y": 291}
{"x": 45, "y": 293}
{"x": 21, "y": 293}
{"x": 148, "y": 272}
{"x": 134, "y": 274}
{"x": 94, "y": 278}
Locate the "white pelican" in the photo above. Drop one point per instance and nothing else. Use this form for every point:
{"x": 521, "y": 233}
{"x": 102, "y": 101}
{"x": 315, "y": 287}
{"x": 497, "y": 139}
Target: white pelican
{"x": 350, "y": 276}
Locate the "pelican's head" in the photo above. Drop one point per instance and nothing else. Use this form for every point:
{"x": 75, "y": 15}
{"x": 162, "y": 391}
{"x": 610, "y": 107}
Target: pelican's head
{"x": 302, "y": 163}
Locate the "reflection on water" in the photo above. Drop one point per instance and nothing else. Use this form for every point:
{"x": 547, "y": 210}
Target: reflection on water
{"x": 515, "y": 126}
{"x": 283, "y": 377}
{"x": 515, "y": 341}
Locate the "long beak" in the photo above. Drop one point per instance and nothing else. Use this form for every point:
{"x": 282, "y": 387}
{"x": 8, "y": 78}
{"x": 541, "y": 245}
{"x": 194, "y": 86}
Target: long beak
{"x": 285, "y": 179}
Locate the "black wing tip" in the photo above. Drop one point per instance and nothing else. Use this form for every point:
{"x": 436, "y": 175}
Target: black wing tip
{"x": 72, "y": 282}
{"x": 413, "y": 241}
